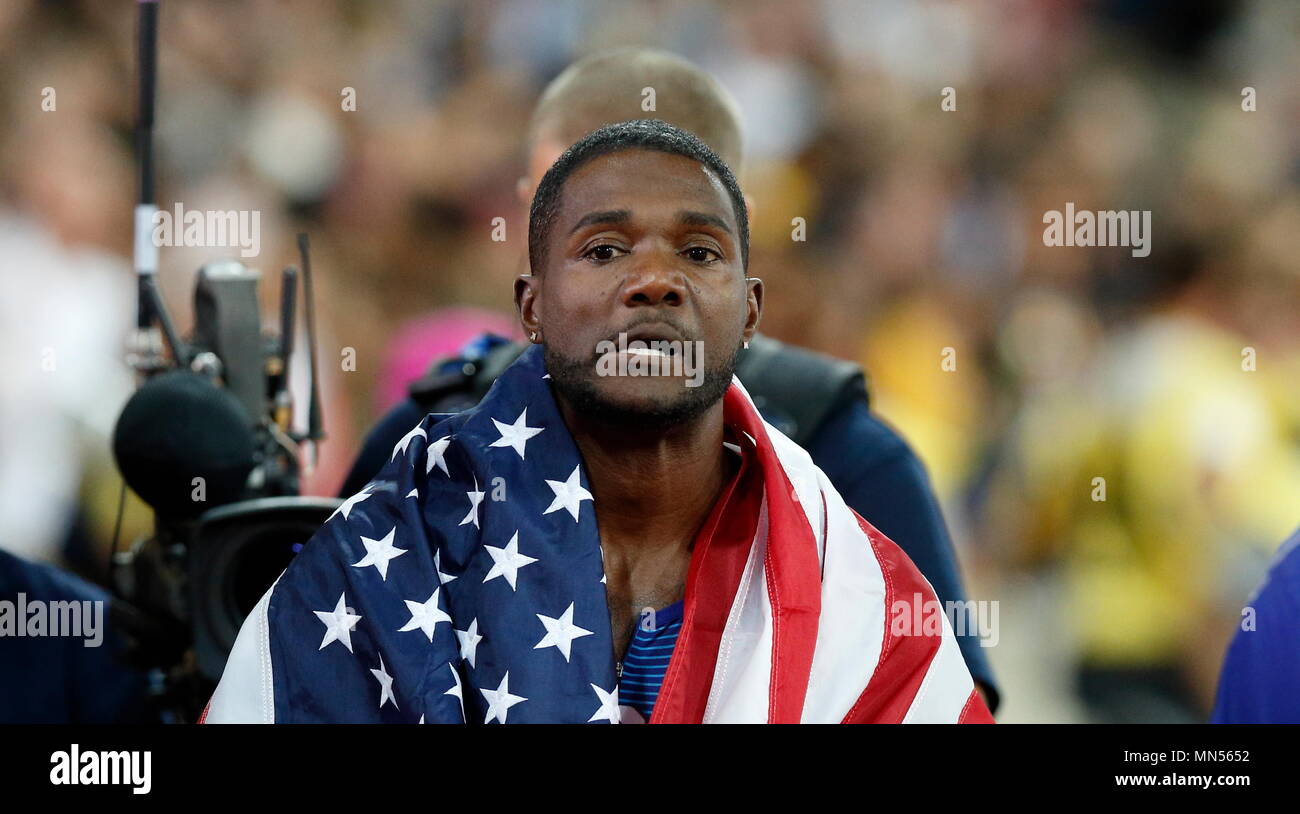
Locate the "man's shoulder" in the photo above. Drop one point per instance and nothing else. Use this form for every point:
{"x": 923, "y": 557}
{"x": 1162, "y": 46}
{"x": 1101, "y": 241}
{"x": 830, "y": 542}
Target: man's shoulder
{"x": 874, "y": 440}
{"x": 822, "y": 403}
{"x": 1257, "y": 684}
{"x": 797, "y": 390}
{"x": 44, "y": 581}
{"x": 1281, "y": 586}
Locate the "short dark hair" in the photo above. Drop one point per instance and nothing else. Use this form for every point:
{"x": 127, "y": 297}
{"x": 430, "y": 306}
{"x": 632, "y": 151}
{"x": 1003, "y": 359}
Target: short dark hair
{"x": 640, "y": 134}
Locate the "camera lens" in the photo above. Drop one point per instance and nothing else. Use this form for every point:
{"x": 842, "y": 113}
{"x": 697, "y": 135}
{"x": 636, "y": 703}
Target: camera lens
{"x": 260, "y": 560}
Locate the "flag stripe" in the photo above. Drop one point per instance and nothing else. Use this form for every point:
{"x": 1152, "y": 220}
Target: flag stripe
{"x": 794, "y": 575}
{"x": 904, "y": 659}
{"x": 246, "y": 693}
{"x": 975, "y": 711}
{"x": 850, "y": 631}
{"x": 718, "y": 561}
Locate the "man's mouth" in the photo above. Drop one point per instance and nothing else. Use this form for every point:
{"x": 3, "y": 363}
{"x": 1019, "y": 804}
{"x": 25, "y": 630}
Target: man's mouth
{"x": 660, "y": 340}
{"x": 647, "y": 341}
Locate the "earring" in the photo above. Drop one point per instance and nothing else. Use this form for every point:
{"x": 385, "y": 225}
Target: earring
{"x": 532, "y": 337}
{"x": 746, "y": 344}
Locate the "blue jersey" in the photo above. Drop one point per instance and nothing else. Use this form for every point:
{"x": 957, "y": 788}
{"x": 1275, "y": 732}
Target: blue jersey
{"x": 641, "y": 672}
{"x": 1260, "y": 682}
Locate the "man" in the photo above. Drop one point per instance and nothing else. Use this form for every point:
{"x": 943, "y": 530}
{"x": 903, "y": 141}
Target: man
{"x": 1260, "y": 682}
{"x": 83, "y": 678}
{"x": 820, "y": 402}
{"x": 496, "y": 570}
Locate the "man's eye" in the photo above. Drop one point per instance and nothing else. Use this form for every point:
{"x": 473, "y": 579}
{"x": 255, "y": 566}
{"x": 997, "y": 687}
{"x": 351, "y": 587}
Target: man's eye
{"x": 601, "y": 253}
{"x": 701, "y": 254}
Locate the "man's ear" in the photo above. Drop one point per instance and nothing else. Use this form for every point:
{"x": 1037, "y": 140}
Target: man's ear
{"x": 754, "y": 298}
{"x": 527, "y": 289}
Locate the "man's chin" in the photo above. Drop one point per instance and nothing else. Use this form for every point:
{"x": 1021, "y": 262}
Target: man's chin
{"x": 658, "y": 401}
{"x": 646, "y": 395}
{"x": 660, "y": 404}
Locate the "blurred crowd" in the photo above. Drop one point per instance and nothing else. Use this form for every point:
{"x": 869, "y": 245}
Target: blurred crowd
{"x": 1115, "y": 439}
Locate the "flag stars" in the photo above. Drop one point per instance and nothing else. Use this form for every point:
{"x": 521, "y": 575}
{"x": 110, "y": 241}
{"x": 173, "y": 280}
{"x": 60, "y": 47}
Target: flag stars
{"x": 500, "y": 701}
{"x": 385, "y": 685}
{"x": 560, "y": 632}
{"x": 406, "y": 441}
{"x": 608, "y": 710}
{"x": 379, "y": 552}
{"x": 443, "y": 579}
{"x": 469, "y": 640}
{"x": 425, "y": 615}
{"x": 569, "y": 494}
{"x": 345, "y": 508}
{"x": 515, "y": 435}
{"x": 507, "y": 561}
{"x": 338, "y": 624}
{"x": 475, "y": 498}
{"x": 456, "y": 690}
{"x": 437, "y": 456}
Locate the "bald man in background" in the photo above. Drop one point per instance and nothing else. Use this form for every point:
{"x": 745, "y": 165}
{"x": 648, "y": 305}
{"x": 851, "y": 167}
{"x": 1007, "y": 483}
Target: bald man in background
{"x": 820, "y": 402}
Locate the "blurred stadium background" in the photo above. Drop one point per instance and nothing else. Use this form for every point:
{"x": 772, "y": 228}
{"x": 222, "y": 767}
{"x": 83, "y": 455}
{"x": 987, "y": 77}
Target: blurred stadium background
{"x": 923, "y": 233}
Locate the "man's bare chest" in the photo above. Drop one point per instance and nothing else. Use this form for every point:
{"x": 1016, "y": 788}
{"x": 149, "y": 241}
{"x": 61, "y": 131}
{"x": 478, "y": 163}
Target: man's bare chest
{"x": 633, "y": 601}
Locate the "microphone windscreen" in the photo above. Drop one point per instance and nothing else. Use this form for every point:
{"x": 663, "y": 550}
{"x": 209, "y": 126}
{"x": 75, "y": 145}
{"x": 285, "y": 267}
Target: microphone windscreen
{"x": 184, "y": 445}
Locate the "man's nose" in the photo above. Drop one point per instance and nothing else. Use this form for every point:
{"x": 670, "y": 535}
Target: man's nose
{"x": 655, "y": 280}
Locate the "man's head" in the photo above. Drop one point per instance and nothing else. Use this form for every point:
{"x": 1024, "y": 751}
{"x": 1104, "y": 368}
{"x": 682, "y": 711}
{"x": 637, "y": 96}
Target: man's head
{"x": 610, "y": 87}
{"x": 639, "y": 229}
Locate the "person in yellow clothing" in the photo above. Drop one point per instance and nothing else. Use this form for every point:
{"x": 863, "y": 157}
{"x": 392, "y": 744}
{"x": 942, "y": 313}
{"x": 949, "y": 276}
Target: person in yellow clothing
{"x": 1160, "y": 487}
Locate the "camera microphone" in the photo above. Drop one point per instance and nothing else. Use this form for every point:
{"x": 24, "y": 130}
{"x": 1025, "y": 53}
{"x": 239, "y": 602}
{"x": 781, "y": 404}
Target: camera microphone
{"x": 208, "y": 441}
{"x": 184, "y": 444}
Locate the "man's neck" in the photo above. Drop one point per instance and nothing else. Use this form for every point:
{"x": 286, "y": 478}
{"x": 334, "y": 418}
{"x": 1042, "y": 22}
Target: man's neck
{"x": 652, "y": 489}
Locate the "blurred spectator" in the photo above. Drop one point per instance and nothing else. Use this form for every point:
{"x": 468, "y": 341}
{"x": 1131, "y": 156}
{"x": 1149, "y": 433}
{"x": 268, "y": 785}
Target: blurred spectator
{"x": 49, "y": 679}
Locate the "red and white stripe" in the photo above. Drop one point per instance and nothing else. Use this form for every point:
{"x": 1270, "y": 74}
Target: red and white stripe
{"x": 806, "y": 636}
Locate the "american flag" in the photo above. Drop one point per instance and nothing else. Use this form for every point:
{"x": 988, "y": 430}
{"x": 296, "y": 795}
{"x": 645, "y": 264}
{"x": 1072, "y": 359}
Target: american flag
{"x": 465, "y": 584}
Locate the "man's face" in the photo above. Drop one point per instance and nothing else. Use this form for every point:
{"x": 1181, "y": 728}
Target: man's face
{"x": 646, "y": 245}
